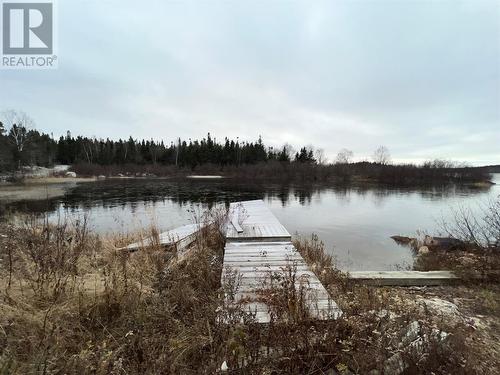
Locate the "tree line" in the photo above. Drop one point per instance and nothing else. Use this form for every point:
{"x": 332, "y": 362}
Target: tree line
{"x": 21, "y": 144}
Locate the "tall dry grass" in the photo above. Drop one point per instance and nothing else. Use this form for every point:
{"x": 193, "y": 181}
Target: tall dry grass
{"x": 72, "y": 303}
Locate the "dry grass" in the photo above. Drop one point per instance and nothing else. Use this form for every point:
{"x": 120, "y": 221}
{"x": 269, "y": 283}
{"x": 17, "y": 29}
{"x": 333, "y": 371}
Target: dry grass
{"x": 71, "y": 303}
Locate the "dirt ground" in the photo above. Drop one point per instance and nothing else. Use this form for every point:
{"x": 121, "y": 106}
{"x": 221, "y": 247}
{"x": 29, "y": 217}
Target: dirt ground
{"x": 476, "y": 305}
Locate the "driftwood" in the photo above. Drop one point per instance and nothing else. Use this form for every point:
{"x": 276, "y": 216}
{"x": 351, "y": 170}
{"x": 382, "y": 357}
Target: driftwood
{"x": 432, "y": 243}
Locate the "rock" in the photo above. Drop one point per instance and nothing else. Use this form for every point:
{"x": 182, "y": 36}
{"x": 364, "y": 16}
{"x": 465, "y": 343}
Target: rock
{"x": 413, "y": 342}
{"x": 224, "y": 367}
{"x": 469, "y": 261}
{"x": 412, "y": 334}
{"x": 410, "y": 341}
{"x": 441, "y": 307}
{"x": 395, "y": 365}
{"x": 61, "y": 168}
{"x": 120, "y": 175}
{"x": 439, "y": 335}
{"x": 101, "y": 177}
{"x": 423, "y": 250}
{"x": 385, "y": 314}
{"x": 70, "y": 174}
{"x": 341, "y": 369}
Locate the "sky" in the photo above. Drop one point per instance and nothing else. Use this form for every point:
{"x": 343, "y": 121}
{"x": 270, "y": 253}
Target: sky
{"x": 420, "y": 77}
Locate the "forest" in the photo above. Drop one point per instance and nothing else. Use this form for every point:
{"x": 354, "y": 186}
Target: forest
{"x": 23, "y": 145}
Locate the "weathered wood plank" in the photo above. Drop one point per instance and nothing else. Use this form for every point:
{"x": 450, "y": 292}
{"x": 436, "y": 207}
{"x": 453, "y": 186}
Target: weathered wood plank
{"x": 261, "y": 251}
{"x": 256, "y": 222}
{"x": 181, "y": 236}
{"x": 270, "y": 268}
{"x": 403, "y": 278}
{"x": 284, "y": 260}
{"x": 304, "y": 275}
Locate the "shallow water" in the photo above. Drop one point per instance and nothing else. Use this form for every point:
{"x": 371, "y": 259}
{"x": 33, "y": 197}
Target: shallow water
{"x": 354, "y": 222}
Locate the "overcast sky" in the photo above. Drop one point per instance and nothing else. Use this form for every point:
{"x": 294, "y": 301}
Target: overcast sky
{"x": 420, "y": 77}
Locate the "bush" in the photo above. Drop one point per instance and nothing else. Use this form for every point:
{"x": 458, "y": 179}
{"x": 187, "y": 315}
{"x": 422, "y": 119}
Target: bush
{"x": 71, "y": 302}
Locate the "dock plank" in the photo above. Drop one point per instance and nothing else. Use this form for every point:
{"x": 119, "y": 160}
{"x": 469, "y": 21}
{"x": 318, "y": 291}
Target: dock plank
{"x": 259, "y": 254}
{"x": 181, "y": 236}
{"x": 403, "y": 278}
{"x": 253, "y": 221}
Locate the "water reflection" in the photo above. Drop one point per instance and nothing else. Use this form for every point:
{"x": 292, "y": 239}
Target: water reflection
{"x": 354, "y": 221}
{"x": 129, "y": 194}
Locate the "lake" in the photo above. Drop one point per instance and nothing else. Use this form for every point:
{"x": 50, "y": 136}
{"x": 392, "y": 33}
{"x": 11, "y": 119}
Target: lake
{"x": 354, "y": 222}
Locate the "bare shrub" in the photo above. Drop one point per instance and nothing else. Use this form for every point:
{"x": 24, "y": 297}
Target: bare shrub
{"x": 481, "y": 231}
{"x": 87, "y": 307}
{"x": 479, "y": 257}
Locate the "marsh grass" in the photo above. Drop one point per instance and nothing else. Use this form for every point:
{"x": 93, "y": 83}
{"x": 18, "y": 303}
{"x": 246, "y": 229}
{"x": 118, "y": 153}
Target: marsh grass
{"x": 71, "y": 302}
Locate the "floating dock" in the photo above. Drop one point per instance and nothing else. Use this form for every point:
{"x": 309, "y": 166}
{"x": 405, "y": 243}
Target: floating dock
{"x": 179, "y": 238}
{"x": 259, "y": 254}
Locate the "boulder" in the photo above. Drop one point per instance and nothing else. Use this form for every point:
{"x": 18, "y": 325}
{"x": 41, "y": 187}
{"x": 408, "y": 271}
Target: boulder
{"x": 423, "y": 250}
{"x": 411, "y": 334}
{"x": 70, "y": 174}
{"x": 101, "y": 177}
{"x": 61, "y": 168}
{"x": 441, "y": 307}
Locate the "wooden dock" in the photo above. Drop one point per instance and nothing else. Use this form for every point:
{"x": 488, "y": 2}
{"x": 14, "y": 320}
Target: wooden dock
{"x": 259, "y": 255}
{"x": 252, "y": 221}
{"x": 179, "y": 238}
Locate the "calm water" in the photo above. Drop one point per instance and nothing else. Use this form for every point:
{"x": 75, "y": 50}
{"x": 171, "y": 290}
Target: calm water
{"x": 355, "y": 223}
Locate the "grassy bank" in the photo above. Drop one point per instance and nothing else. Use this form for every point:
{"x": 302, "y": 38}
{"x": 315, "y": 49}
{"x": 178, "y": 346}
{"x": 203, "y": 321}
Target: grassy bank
{"x": 70, "y": 302}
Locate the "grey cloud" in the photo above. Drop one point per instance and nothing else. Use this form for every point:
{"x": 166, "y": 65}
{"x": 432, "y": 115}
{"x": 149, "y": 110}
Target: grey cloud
{"x": 420, "y": 77}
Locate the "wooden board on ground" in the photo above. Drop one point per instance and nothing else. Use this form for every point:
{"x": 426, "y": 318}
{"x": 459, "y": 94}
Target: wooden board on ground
{"x": 403, "y": 278}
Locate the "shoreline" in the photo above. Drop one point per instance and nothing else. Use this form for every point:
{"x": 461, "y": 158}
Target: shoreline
{"x": 39, "y": 188}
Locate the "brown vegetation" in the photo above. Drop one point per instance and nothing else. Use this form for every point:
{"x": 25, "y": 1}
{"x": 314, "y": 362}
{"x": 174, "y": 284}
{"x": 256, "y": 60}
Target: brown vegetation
{"x": 475, "y": 250}
{"x": 72, "y": 303}
{"x": 304, "y": 172}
